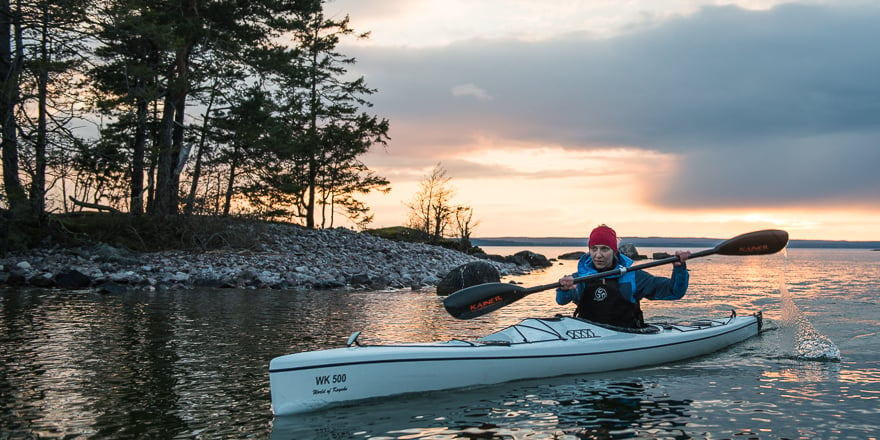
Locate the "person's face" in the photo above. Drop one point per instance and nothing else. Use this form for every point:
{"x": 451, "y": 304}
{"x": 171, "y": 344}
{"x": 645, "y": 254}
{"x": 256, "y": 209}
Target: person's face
{"x": 603, "y": 256}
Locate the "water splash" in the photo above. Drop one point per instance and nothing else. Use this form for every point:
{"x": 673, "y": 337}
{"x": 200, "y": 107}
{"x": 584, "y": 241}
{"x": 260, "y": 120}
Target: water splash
{"x": 806, "y": 342}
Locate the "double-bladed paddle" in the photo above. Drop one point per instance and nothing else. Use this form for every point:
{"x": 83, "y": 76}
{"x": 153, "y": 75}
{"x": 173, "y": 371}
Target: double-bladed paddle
{"x": 481, "y": 299}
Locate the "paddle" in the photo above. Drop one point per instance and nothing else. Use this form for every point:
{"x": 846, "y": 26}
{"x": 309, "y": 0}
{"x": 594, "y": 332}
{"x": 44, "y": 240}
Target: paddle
{"x": 481, "y": 299}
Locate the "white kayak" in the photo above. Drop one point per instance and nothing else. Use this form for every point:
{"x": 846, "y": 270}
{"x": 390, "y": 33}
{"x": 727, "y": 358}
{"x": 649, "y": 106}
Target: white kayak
{"x": 533, "y": 348}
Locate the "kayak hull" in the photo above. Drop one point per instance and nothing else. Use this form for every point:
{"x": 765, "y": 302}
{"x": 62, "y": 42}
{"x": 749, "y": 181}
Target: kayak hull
{"x": 533, "y": 348}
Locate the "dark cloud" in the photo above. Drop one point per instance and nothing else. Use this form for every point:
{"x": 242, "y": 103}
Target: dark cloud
{"x": 826, "y": 171}
{"x": 780, "y": 107}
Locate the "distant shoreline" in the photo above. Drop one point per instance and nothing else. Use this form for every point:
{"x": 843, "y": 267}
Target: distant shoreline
{"x": 664, "y": 242}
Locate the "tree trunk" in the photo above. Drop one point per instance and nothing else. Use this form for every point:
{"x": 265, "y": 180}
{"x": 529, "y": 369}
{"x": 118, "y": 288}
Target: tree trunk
{"x": 230, "y": 187}
{"x": 10, "y": 65}
{"x": 173, "y": 118}
{"x": 197, "y": 168}
{"x": 38, "y": 181}
{"x": 137, "y": 160}
{"x": 165, "y": 199}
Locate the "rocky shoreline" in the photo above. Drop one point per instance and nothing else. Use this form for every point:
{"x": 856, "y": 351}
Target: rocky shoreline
{"x": 283, "y": 257}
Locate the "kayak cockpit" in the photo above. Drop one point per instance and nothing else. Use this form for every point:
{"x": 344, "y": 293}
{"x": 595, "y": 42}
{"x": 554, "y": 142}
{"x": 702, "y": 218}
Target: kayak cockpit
{"x": 561, "y": 328}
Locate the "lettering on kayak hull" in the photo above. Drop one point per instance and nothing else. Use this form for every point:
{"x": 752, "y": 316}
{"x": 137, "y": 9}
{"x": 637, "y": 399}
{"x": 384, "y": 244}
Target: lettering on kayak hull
{"x": 331, "y": 383}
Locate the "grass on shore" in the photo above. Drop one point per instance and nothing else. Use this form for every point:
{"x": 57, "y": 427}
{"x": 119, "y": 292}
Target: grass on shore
{"x": 137, "y": 233}
{"x": 148, "y": 233}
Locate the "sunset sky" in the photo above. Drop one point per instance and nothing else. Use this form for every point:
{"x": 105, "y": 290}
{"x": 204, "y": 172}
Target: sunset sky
{"x": 657, "y": 117}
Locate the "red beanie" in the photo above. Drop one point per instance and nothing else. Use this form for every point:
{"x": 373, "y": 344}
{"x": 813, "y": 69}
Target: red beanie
{"x": 603, "y": 235}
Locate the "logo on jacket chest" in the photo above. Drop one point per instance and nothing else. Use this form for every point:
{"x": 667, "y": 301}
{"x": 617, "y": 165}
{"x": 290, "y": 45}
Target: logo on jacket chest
{"x": 600, "y": 294}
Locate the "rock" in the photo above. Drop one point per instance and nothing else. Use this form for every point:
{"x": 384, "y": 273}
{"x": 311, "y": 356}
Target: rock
{"x": 211, "y": 283}
{"x": 106, "y": 253}
{"x": 42, "y": 280}
{"x": 112, "y": 288}
{"x": 379, "y": 283}
{"x": 533, "y": 259}
{"x": 72, "y": 279}
{"x": 496, "y": 258}
{"x": 327, "y": 285}
{"x": 630, "y": 251}
{"x": 576, "y": 255}
{"x": 360, "y": 279}
{"x": 661, "y": 255}
{"x": 288, "y": 257}
{"x": 466, "y": 275}
{"x": 16, "y": 278}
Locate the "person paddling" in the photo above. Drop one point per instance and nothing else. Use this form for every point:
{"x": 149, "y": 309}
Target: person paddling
{"x": 615, "y": 299}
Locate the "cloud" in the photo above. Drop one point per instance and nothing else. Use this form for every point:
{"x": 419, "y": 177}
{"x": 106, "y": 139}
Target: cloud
{"x": 776, "y": 107}
{"x": 470, "y": 89}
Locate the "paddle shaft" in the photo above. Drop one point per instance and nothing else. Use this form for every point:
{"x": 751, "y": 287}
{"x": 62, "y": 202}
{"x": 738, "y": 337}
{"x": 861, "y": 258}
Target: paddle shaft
{"x": 617, "y": 271}
{"x": 478, "y": 300}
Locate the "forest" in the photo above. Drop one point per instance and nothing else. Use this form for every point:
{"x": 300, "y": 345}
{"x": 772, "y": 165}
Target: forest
{"x": 161, "y": 108}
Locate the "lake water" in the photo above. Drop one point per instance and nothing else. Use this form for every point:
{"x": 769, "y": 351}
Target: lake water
{"x": 194, "y": 364}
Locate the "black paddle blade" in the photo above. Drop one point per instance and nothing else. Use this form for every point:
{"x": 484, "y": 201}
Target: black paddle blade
{"x": 768, "y": 241}
{"x": 481, "y": 299}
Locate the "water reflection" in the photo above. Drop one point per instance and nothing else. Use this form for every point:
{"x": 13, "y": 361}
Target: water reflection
{"x": 579, "y": 407}
{"x": 194, "y": 363}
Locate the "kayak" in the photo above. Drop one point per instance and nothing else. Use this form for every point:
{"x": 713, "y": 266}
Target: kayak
{"x": 532, "y": 348}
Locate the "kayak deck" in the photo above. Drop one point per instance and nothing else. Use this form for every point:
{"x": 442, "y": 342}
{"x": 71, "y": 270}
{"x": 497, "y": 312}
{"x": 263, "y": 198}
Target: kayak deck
{"x": 532, "y": 348}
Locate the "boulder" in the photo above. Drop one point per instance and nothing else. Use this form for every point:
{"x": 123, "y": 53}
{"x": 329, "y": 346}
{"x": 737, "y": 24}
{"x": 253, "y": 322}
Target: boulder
{"x": 533, "y": 259}
{"x": 16, "y": 278}
{"x": 576, "y": 255}
{"x": 72, "y": 279}
{"x": 466, "y": 275}
{"x": 360, "y": 279}
{"x": 630, "y": 251}
{"x": 112, "y": 288}
{"x": 42, "y": 280}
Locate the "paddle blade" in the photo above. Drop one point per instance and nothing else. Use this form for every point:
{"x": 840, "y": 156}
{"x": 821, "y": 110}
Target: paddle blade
{"x": 481, "y": 299}
{"x": 768, "y": 241}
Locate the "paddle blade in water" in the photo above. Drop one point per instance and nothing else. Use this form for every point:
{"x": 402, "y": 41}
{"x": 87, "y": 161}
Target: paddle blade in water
{"x": 768, "y": 241}
{"x": 481, "y": 299}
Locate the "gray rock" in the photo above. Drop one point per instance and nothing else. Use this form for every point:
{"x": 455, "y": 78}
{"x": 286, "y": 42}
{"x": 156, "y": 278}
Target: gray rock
{"x": 576, "y": 255}
{"x": 72, "y": 279}
{"x": 290, "y": 257}
{"x": 360, "y": 279}
{"x": 630, "y": 251}
{"x": 16, "y": 278}
{"x": 466, "y": 275}
{"x": 379, "y": 283}
{"x": 42, "y": 280}
{"x": 112, "y": 288}
{"x": 533, "y": 259}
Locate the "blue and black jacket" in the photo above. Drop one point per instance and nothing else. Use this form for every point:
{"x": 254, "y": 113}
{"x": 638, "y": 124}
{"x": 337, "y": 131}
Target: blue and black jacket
{"x": 627, "y": 290}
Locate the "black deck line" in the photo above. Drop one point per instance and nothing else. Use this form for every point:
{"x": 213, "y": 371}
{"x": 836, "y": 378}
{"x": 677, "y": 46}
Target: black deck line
{"x": 468, "y": 358}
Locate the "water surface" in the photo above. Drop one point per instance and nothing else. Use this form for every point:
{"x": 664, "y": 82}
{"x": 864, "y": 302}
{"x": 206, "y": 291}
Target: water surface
{"x": 193, "y": 364}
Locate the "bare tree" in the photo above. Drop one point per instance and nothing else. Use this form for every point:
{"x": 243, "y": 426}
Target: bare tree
{"x": 431, "y": 208}
{"x": 465, "y": 224}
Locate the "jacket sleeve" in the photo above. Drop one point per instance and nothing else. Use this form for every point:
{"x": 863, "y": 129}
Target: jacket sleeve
{"x": 566, "y": 296}
{"x": 653, "y": 287}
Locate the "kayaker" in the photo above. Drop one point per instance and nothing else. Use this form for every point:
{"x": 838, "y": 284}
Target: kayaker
{"x": 615, "y": 300}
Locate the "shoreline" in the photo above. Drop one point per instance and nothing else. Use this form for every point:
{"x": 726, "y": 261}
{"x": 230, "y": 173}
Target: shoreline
{"x": 283, "y": 257}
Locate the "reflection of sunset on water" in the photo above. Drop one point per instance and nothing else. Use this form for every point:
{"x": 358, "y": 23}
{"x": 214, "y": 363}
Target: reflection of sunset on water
{"x": 826, "y": 372}
{"x": 157, "y": 360}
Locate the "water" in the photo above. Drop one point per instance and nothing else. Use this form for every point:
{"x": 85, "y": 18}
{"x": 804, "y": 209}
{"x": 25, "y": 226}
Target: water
{"x": 193, "y": 364}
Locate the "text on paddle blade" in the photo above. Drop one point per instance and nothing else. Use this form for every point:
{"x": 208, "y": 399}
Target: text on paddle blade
{"x": 486, "y": 303}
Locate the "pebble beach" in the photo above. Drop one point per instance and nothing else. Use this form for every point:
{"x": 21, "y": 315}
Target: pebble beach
{"x": 282, "y": 257}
